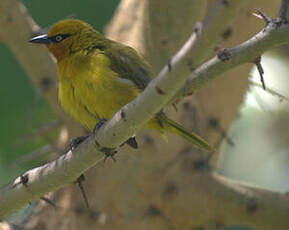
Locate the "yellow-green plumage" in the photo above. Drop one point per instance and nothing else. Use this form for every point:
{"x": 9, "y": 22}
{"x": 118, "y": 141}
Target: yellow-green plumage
{"x": 98, "y": 76}
{"x": 90, "y": 91}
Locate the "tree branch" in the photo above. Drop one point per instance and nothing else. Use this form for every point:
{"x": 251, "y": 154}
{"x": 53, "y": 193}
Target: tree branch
{"x": 116, "y": 131}
{"x": 68, "y": 167}
{"x": 273, "y": 34}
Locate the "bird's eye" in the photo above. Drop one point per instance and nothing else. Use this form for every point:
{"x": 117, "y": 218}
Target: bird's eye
{"x": 58, "y": 38}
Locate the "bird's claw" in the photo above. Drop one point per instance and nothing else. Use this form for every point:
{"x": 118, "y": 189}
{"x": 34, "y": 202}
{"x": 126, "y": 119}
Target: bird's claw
{"x": 99, "y": 124}
{"x": 109, "y": 152}
{"x": 76, "y": 141}
{"x": 131, "y": 142}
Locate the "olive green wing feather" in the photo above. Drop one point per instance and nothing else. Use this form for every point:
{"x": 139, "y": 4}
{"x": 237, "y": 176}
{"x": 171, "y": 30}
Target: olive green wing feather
{"x": 129, "y": 64}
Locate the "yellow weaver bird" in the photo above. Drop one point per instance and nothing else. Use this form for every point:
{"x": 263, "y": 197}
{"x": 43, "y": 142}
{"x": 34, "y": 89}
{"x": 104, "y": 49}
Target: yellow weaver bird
{"x": 98, "y": 76}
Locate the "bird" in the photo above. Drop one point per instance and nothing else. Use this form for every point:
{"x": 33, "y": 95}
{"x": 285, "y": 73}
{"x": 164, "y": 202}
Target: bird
{"x": 98, "y": 76}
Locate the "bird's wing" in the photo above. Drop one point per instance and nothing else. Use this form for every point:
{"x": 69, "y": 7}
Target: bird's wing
{"x": 128, "y": 64}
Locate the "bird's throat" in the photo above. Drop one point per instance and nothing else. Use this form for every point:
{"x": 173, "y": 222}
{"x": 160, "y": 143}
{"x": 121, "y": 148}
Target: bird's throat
{"x": 59, "y": 51}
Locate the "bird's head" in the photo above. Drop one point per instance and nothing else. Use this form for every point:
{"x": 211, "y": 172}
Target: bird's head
{"x": 66, "y": 37}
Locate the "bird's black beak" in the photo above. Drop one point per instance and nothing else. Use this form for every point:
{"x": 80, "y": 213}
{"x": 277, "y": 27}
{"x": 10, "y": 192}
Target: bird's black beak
{"x": 41, "y": 39}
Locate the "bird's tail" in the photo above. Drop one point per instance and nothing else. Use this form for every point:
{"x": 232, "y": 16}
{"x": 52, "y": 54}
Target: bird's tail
{"x": 173, "y": 127}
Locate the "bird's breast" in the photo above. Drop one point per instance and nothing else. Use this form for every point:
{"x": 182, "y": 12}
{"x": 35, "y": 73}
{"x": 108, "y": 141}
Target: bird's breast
{"x": 93, "y": 92}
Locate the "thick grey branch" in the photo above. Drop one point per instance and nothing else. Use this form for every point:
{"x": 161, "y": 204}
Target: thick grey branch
{"x": 273, "y": 35}
{"x": 123, "y": 125}
{"x": 217, "y": 22}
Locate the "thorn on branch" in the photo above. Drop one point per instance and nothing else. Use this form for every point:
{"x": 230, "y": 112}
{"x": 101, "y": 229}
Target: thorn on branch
{"x": 224, "y": 55}
{"x": 170, "y": 64}
{"x": 260, "y": 70}
{"x": 48, "y": 201}
{"x": 264, "y": 16}
{"x": 123, "y": 115}
{"x": 83, "y": 193}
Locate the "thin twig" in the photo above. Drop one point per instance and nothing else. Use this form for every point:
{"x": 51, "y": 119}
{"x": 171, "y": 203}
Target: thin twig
{"x": 270, "y": 91}
{"x": 264, "y": 16}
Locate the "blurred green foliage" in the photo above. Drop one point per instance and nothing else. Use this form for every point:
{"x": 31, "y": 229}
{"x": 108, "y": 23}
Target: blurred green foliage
{"x": 20, "y": 116}
{"x": 96, "y": 13}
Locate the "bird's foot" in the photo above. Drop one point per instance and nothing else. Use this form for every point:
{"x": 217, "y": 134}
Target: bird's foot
{"x": 131, "y": 142}
{"x": 99, "y": 124}
{"x": 76, "y": 141}
{"x": 109, "y": 152}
